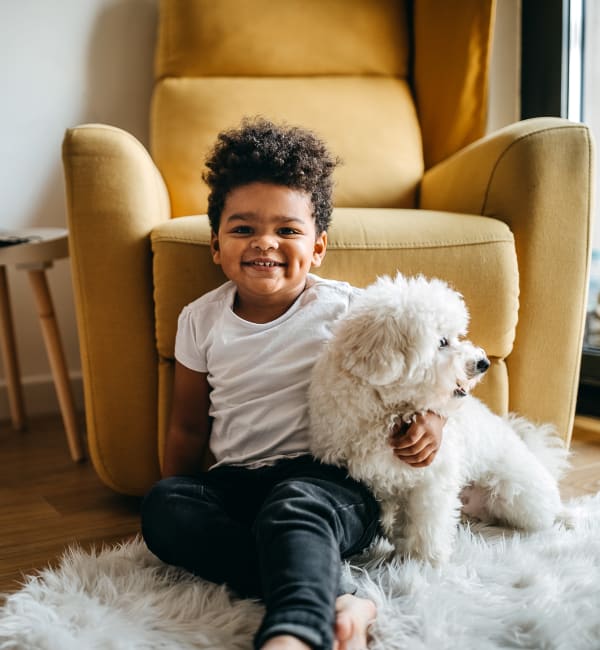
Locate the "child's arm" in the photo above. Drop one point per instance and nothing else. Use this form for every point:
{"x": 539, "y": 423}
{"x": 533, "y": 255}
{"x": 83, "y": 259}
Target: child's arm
{"x": 419, "y": 444}
{"x": 186, "y": 449}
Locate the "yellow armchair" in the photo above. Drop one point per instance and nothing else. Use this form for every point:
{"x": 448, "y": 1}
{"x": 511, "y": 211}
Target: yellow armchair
{"x": 400, "y": 94}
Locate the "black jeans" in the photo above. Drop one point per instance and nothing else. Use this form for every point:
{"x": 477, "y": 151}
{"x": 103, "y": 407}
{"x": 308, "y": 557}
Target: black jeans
{"x": 276, "y": 532}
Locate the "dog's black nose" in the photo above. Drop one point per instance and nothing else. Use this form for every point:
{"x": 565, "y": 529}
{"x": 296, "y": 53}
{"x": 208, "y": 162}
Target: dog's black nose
{"x": 483, "y": 365}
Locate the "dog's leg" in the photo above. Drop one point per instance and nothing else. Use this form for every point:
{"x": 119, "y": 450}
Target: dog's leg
{"x": 522, "y": 492}
{"x": 431, "y": 517}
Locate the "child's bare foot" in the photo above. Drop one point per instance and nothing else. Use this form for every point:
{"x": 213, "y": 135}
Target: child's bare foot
{"x": 353, "y": 617}
{"x": 285, "y": 642}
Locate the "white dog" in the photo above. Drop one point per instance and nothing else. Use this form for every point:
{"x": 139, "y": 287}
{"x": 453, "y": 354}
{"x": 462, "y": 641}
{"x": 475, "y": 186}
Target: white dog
{"x": 399, "y": 352}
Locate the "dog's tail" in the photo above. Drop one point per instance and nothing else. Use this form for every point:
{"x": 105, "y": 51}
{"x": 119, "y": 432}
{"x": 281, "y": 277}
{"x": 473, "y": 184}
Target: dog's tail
{"x": 544, "y": 442}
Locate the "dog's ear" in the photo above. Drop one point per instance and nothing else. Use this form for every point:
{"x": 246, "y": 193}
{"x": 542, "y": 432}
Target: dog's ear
{"x": 372, "y": 349}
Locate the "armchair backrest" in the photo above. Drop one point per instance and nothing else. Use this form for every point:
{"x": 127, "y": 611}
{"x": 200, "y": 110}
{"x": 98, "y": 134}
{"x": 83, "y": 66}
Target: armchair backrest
{"x": 344, "y": 68}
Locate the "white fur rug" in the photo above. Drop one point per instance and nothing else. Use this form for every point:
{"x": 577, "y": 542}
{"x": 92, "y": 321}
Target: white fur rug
{"x": 501, "y": 590}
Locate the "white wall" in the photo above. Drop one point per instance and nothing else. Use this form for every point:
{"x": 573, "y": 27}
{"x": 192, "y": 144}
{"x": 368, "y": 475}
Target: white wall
{"x": 69, "y": 62}
{"x": 62, "y": 63}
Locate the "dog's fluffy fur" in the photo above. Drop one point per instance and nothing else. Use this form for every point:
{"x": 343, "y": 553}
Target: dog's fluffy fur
{"x": 398, "y": 352}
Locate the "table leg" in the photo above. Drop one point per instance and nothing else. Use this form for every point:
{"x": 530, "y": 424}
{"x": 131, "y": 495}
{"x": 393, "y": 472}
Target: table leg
{"x": 9, "y": 353}
{"x": 43, "y": 300}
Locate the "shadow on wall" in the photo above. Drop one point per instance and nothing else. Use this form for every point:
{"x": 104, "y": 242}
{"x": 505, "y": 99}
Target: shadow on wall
{"x": 120, "y": 66}
{"x": 117, "y": 90}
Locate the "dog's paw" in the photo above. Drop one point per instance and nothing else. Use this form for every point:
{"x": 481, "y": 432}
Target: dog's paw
{"x": 407, "y": 549}
{"x": 436, "y": 557}
{"x": 568, "y": 517}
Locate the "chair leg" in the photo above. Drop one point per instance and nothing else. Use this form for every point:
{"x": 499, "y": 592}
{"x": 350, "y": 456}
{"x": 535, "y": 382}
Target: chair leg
{"x": 43, "y": 300}
{"x": 9, "y": 354}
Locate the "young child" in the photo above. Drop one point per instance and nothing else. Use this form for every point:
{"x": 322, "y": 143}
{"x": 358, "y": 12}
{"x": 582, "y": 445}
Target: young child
{"x": 242, "y": 501}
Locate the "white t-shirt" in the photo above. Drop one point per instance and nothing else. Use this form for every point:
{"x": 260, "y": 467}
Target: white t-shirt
{"x": 259, "y": 372}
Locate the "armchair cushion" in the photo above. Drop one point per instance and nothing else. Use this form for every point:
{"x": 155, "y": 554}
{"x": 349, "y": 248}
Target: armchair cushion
{"x": 382, "y": 170}
{"x": 231, "y": 38}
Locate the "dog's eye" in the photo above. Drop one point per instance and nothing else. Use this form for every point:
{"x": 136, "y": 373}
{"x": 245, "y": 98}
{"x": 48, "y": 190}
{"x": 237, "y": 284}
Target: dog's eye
{"x": 444, "y": 342}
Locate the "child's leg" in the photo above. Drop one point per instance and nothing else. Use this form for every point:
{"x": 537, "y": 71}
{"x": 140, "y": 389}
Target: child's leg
{"x": 186, "y": 522}
{"x": 312, "y": 518}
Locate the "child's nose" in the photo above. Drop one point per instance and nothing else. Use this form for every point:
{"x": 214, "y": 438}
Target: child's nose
{"x": 264, "y": 242}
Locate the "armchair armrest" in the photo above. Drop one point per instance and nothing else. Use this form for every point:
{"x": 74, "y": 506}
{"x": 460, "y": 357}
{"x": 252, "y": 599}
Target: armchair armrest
{"x": 115, "y": 196}
{"x": 536, "y": 176}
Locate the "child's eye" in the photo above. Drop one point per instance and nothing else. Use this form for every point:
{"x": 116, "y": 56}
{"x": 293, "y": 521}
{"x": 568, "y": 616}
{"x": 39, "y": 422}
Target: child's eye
{"x": 242, "y": 230}
{"x": 443, "y": 342}
{"x": 288, "y": 231}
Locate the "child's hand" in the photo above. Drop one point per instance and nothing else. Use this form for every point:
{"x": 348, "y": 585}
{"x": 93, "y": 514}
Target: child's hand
{"x": 418, "y": 443}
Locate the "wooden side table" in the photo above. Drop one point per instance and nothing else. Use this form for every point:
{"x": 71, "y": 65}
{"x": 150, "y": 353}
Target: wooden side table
{"x": 34, "y": 257}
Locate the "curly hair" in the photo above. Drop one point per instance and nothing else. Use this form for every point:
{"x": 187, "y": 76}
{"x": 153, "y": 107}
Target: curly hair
{"x": 261, "y": 151}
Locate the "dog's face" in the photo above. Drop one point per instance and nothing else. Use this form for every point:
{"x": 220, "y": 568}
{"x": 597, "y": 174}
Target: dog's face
{"x": 407, "y": 333}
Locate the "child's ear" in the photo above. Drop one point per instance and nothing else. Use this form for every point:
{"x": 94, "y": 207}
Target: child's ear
{"x": 319, "y": 249}
{"x": 214, "y": 248}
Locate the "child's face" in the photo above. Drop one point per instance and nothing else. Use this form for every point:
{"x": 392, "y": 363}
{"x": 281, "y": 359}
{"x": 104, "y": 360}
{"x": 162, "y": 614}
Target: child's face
{"x": 267, "y": 242}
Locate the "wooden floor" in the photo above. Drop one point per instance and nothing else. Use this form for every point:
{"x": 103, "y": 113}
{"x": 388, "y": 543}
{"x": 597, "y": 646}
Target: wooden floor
{"x": 47, "y": 502}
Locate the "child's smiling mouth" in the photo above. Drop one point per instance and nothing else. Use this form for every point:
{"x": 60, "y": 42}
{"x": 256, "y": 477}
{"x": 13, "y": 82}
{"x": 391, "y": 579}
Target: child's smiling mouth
{"x": 262, "y": 263}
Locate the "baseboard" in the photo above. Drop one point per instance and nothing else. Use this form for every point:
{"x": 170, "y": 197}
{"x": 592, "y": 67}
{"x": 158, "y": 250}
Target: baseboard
{"x": 39, "y": 395}
{"x": 586, "y": 428}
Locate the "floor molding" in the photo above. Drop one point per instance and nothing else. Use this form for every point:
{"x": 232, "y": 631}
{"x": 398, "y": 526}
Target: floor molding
{"x": 39, "y": 395}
